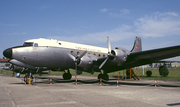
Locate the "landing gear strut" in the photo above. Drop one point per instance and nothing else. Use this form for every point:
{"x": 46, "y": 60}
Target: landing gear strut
{"x": 27, "y": 76}
{"x": 67, "y": 76}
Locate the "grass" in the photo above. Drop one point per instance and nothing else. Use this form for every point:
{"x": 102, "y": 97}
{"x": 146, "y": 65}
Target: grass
{"x": 174, "y": 74}
{"x": 6, "y": 72}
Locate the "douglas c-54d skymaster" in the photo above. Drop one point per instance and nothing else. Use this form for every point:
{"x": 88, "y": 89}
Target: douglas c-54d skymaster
{"x": 62, "y": 55}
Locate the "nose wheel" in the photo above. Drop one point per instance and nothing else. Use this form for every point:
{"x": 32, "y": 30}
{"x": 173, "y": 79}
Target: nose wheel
{"x": 26, "y": 78}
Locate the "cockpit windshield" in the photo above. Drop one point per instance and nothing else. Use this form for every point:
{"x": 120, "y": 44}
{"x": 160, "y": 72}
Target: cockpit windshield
{"x": 28, "y": 44}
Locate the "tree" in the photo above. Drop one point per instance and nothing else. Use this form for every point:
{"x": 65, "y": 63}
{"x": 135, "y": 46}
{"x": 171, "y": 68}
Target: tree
{"x": 163, "y": 71}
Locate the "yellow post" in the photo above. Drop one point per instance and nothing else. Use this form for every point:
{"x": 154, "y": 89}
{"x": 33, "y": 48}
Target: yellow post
{"x": 29, "y": 81}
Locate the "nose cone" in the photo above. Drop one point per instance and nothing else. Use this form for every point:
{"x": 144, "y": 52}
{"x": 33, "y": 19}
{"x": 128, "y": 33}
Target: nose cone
{"x": 8, "y": 53}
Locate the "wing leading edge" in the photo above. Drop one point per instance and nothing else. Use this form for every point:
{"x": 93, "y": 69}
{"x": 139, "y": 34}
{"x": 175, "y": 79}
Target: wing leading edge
{"x": 146, "y": 57}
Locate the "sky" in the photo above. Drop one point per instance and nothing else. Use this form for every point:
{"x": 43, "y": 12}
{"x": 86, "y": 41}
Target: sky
{"x": 89, "y": 22}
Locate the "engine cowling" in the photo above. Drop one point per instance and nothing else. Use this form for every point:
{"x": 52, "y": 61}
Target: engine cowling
{"x": 85, "y": 62}
{"x": 21, "y": 64}
{"x": 119, "y": 55}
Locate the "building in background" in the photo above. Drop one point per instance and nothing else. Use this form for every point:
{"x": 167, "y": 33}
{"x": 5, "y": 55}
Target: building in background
{"x": 4, "y": 63}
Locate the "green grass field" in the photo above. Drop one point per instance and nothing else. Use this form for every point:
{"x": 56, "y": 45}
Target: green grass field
{"x": 174, "y": 74}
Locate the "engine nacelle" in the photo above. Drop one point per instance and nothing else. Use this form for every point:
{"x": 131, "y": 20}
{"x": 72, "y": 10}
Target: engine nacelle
{"x": 120, "y": 55}
{"x": 85, "y": 62}
{"x": 21, "y": 64}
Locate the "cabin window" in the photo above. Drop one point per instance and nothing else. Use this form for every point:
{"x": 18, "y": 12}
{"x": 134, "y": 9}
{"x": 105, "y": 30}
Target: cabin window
{"x": 59, "y": 43}
{"x": 71, "y": 52}
{"x": 99, "y": 55}
{"x": 103, "y": 55}
{"x": 94, "y": 54}
{"x": 28, "y": 44}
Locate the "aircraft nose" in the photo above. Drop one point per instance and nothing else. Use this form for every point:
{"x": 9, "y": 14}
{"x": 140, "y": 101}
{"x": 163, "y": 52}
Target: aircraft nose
{"x": 8, "y": 53}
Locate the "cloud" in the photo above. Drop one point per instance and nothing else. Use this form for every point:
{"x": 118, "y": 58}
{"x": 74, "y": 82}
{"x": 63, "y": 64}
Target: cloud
{"x": 103, "y": 10}
{"x": 158, "y": 25}
{"x": 121, "y": 13}
{"x": 115, "y": 35}
{"x": 124, "y": 11}
{"x": 165, "y": 14}
{"x": 155, "y": 25}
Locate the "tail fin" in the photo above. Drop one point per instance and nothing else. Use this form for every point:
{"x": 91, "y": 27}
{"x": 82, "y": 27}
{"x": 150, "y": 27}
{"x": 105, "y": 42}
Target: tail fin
{"x": 137, "y": 45}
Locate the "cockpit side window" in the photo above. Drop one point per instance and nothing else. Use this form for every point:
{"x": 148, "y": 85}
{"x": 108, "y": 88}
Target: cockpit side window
{"x": 28, "y": 44}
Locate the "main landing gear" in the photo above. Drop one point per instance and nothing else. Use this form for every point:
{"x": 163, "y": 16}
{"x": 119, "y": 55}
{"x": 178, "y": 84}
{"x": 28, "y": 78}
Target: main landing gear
{"x": 103, "y": 76}
{"x": 67, "y": 76}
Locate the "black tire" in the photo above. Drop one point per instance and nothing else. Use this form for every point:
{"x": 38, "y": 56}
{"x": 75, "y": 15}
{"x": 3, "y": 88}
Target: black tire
{"x": 100, "y": 76}
{"x": 67, "y": 76}
{"x": 105, "y": 77}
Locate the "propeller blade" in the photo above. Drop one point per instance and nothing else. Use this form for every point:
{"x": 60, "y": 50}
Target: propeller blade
{"x": 108, "y": 45}
{"x": 37, "y": 70}
{"x": 11, "y": 67}
{"x": 81, "y": 55}
{"x": 23, "y": 70}
{"x": 103, "y": 63}
{"x": 71, "y": 56}
{"x": 109, "y": 52}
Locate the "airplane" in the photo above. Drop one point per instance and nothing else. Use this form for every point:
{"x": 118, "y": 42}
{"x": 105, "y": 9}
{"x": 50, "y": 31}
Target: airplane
{"x": 61, "y": 55}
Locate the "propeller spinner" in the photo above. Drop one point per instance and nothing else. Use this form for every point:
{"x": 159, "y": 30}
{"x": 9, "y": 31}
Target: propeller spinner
{"x": 76, "y": 59}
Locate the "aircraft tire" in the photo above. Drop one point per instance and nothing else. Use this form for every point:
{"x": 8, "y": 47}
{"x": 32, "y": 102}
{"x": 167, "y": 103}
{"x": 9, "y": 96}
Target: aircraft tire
{"x": 105, "y": 77}
{"x": 67, "y": 76}
{"x": 100, "y": 76}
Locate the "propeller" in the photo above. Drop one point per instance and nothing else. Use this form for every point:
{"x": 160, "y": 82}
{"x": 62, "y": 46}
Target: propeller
{"x": 76, "y": 59}
{"x": 11, "y": 67}
{"x": 109, "y": 53}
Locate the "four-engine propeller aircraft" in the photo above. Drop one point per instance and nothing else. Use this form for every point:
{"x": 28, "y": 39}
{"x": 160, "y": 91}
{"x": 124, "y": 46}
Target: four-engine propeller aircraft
{"x": 62, "y": 55}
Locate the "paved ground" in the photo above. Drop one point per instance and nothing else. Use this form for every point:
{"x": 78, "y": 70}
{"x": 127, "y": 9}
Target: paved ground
{"x": 88, "y": 93}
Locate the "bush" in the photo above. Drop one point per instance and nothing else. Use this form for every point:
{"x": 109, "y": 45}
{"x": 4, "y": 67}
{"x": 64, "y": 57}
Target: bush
{"x": 163, "y": 71}
{"x": 148, "y": 73}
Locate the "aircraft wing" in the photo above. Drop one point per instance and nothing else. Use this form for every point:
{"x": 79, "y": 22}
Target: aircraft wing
{"x": 146, "y": 57}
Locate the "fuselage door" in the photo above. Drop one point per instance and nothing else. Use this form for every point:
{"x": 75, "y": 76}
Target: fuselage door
{"x": 35, "y": 52}
{"x": 35, "y": 44}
